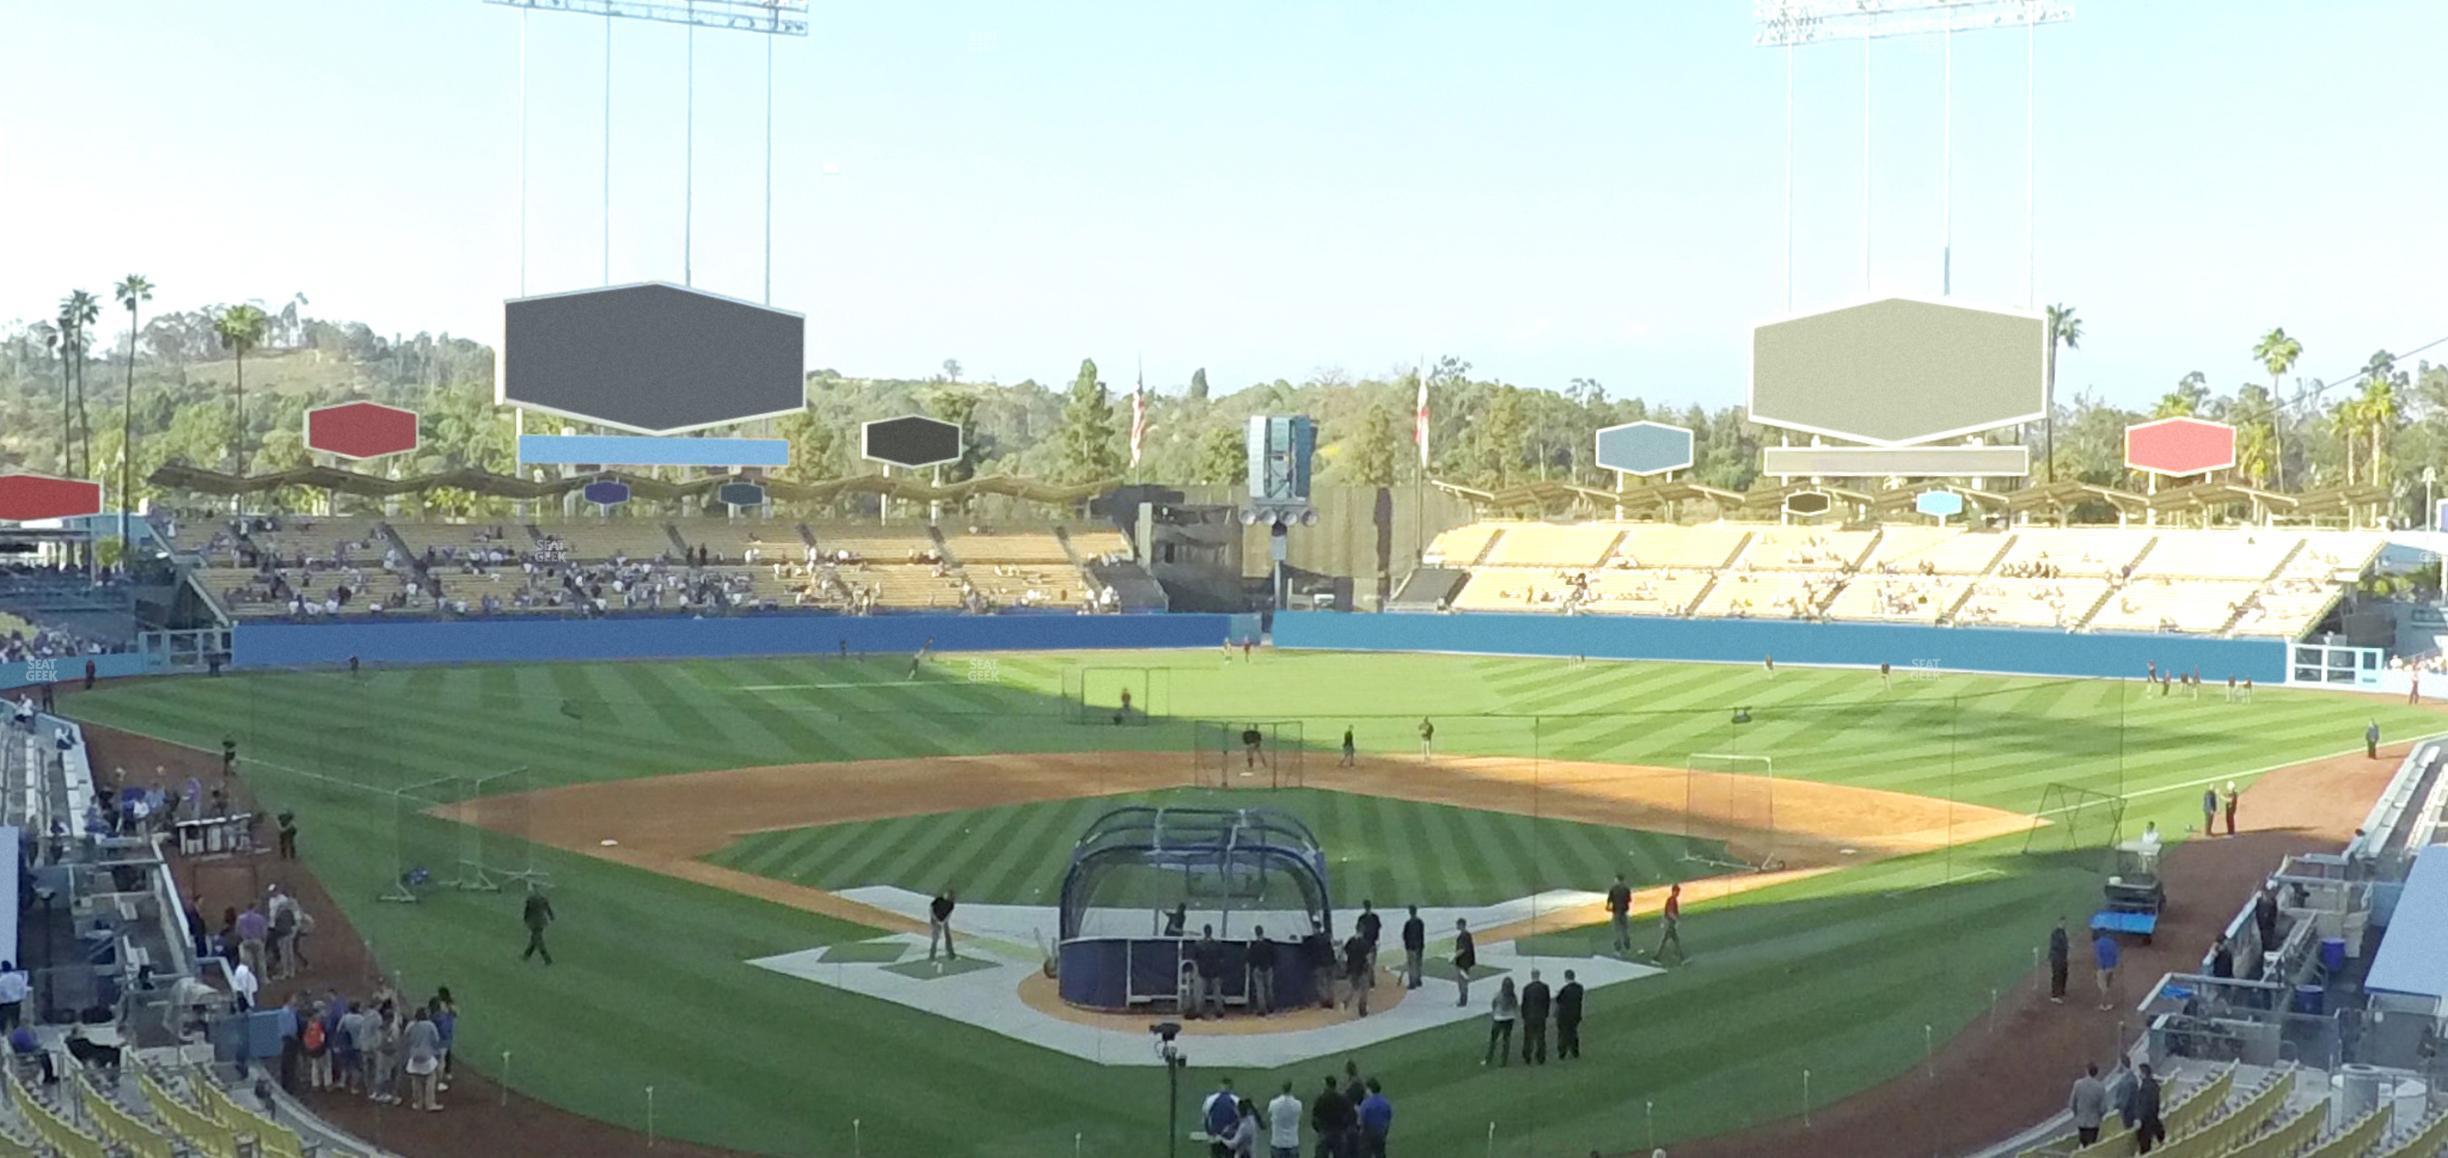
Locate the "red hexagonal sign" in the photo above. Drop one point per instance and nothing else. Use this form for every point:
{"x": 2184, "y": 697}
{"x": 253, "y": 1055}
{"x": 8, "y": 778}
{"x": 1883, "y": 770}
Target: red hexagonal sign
{"x": 361, "y": 430}
{"x": 27, "y": 497}
{"x": 2180, "y": 446}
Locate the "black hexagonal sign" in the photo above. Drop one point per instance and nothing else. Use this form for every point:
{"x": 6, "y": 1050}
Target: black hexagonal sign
{"x": 911, "y": 440}
{"x": 652, "y": 358}
{"x": 1899, "y": 372}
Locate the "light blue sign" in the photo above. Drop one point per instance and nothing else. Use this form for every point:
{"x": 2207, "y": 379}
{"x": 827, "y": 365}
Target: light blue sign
{"x": 1645, "y": 448}
{"x": 1939, "y": 504}
{"x": 639, "y": 450}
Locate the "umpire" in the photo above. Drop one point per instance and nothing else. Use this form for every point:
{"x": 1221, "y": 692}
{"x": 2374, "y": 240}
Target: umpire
{"x": 539, "y": 914}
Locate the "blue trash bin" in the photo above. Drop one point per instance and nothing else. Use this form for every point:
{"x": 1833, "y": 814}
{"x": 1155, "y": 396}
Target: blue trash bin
{"x": 2333, "y": 954}
{"x": 2308, "y": 999}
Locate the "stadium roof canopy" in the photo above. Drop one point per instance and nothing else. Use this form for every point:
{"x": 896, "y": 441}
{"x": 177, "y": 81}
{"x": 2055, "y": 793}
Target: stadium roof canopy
{"x": 178, "y": 476}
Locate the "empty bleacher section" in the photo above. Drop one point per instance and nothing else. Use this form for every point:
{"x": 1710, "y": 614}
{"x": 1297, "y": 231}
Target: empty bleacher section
{"x": 2253, "y": 581}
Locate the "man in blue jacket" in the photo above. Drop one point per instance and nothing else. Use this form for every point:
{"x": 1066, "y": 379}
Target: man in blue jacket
{"x": 1376, "y": 1120}
{"x": 1219, "y": 1113}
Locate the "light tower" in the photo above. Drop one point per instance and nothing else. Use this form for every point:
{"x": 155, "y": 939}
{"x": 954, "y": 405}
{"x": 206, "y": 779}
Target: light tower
{"x": 1788, "y": 24}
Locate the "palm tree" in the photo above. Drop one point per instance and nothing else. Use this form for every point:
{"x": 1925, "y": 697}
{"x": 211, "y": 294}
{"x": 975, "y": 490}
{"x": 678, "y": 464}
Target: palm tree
{"x": 2377, "y": 408}
{"x": 2277, "y": 354}
{"x": 241, "y": 328}
{"x": 2064, "y": 329}
{"x": 69, "y": 340}
{"x": 132, "y": 290}
{"x": 49, "y": 335}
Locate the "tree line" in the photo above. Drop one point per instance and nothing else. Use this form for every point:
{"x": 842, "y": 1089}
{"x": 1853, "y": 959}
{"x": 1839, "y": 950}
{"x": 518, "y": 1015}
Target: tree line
{"x": 225, "y": 387}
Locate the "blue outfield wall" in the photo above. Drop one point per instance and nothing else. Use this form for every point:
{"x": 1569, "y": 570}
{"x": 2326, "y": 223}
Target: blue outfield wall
{"x": 270, "y": 645}
{"x": 71, "y": 668}
{"x": 1987, "y": 649}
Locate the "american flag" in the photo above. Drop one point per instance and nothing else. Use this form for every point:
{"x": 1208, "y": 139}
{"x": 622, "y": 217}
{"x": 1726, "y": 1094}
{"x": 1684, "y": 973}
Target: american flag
{"x": 1419, "y": 426}
{"x": 1138, "y": 431}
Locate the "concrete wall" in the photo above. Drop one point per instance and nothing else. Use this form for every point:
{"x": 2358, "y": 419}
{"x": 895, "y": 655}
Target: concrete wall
{"x": 1749, "y": 640}
{"x": 71, "y": 670}
{"x": 532, "y": 640}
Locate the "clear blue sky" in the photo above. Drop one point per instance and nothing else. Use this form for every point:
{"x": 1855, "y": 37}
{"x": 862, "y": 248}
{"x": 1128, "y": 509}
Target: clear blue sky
{"x": 1265, "y": 187}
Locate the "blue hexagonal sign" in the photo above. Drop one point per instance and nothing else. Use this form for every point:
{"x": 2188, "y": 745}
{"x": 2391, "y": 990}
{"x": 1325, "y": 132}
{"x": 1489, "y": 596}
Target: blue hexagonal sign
{"x": 1645, "y": 448}
{"x": 606, "y": 493}
{"x": 1939, "y": 504}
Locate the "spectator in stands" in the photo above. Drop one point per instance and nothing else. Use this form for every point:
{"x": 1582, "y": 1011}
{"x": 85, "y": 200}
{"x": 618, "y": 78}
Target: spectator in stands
{"x": 2104, "y": 957}
{"x": 13, "y": 989}
{"x": 2088, "y": 1103}
{"x": 1284, "y": 1124}
{"x": 1415, "y": 948}
{"x": 1537, "y": 1002}
{"x": 253, "y": 929}
{"x": 2149, "y": 1131}
{"x": 1465, "y": 959}
{"x": 22, "y": 1043}
{"x": 2058, "y": 951}
{"x": 421, "y": 1049}
{"x": 243, "y": 987}
{"x": 1501, "y": 1013}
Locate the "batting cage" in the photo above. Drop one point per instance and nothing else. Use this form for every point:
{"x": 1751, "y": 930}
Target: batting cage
{"x": 461, "y": 833}
{"x": 2072, "y": 817}
{"x": 1248, "y": 753}
{"x": 1147, "y": 885}
{"x": 1127, "y": 696}
{"x": 1731, "y": 798}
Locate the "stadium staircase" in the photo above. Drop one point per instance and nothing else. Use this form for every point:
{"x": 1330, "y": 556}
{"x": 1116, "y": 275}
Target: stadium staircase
{"x": 1613, "y": 545}
{"x": 678, "y": 544}
{"x": 1973, "y": 587}
{"x": 807, "y": 535}
{"x": 1869, "y": 551}
{"x": 1700, "y": 597}
{"x": 2097, "y": 605}
{"x": 2244, "y": 606}
{"x": 1488, "y": 549}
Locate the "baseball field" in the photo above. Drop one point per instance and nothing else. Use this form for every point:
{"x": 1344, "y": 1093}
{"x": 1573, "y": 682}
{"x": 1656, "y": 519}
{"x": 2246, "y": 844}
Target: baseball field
{"x": 694, "y": 817}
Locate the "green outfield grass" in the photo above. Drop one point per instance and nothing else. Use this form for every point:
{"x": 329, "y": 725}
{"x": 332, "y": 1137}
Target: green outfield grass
{"x": 1390, "y": 851}
{"x": 1838, "y": 974}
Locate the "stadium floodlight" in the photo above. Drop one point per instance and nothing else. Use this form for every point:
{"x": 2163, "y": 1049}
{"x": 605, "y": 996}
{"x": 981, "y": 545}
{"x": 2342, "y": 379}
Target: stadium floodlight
{"x": 772, "y": 17}
{"x": 1786, "y": 24}
{"x": 1791, "y": 22}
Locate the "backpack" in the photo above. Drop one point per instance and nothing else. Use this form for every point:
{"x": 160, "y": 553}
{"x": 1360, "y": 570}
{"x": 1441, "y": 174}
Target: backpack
{"x": 313, "y": 1037}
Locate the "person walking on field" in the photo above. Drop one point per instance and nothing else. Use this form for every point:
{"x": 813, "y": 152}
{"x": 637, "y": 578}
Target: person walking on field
{"x": 1347, "y": 747}
{"x": 1218, "y": 1114}
{"x": 536, "y": 914}
{"x": 2209, "y": 812}
{"x": 1568, "y": 1017}
{"x": 2371, "y": 740}
{"x": 1369, "y": 925}
{"x": 1501, "y": 1013}
{"x": 939, "y": 924}
{"x": 2227, "y": 802}
{"x": 2104, "y": 957}
{"x": 1619, "y": 911}
{"x": 1670, "y": 920}
{"x": 1415, "y": 948}
{"x": 2059, "y": 950}
{"x": 2088, "y": 1104}
{"x": 1427, "y": 733}
{"x": 1356, "y": 971}
{"x": 1536, "y": 1003}
{"x": 1465, "y": 958}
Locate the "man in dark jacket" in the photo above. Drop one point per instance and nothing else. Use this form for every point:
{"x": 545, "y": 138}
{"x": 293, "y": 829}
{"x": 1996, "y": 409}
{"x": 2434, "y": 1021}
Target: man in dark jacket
{"x": 1318, "y": 950}
{"x": 1568, "y": 1017}
{"x": 2149, "y": 1131}
{"x": 1619, "y": 913}
{"x": 1415, "y": 948}
{"x": 1330, "y": 1119}
{"x": 1465, "y": 958}
{"x": 1208, "y": 955}
{"x": 1261, "y": 961}
{"x": 2222, "y": 959}
{"x": 1356, "y": 971}
{"x": 538, "y": 914}
{"x": 1536, "y": 1002}
{"x": 2265, "y": 917}
{"x": 1368, "y": 926}
{"x": 2057, "y": 949}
